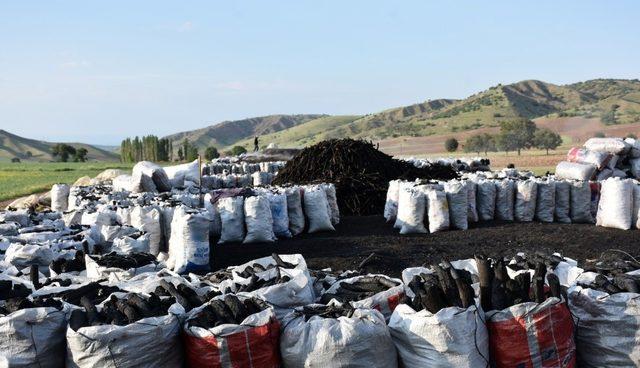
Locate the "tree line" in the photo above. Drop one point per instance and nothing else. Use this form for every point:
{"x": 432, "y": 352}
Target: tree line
{"x": 63, "y": 152}
{"x": 513, "y": 136}
{"x": 152, "y": 148}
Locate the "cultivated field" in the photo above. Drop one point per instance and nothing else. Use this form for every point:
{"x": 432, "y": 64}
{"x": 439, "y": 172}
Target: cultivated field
{"x": 20, "y": 179}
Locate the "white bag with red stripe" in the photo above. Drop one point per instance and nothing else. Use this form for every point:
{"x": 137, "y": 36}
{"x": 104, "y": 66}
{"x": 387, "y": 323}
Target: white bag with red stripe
{"x": 253, "y": 343}
{"x": 384, "y": 302}
{"x": 532, "y": 335}
{"x": 454, "y": 337}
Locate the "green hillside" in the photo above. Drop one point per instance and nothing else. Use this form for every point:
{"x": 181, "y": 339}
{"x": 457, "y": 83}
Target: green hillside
{"x": 27, "y": 149}
{"x": 229, "y": 132}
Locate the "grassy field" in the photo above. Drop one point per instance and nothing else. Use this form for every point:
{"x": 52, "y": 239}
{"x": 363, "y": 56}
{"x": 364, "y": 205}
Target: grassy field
{"x": 20, "y": 179}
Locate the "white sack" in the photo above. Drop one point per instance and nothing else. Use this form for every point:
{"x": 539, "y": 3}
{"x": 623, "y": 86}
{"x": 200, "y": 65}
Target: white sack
{"x": 332, "y": 199}
{"x": 294, "y": 210}
{"x": 60, "y": 197}
{"x": 526, "y": 193}
{"x": 575, "y": 171}
{"x": 581, "y": 202}
{"x": 562, "y": 211}
{"x": 362, "y": 341}
{"x": 391, "y": 204}
{"x": 453, "y": 337}
{"x": 231, "y": 211}
{"x": 147, "y": 219}
{"x": 471, "y": 200}
{"x": 505, "y": 198}
{"x": 486, "y": 199}
{"x": 438, "y": 210}
{"x": 317, "y": 209}
{"x": 411, "y": 209}
{"x": 457, "y": 197}
{"x": 616, "y": 204}
{"x": 546, "y": 200}
{"x": 279, "y": 214}
{"x": 615, "y": 146}
{"x": 258, "y": 220}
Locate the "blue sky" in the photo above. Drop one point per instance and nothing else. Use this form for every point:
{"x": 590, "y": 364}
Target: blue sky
{"x": 99, "y": 71}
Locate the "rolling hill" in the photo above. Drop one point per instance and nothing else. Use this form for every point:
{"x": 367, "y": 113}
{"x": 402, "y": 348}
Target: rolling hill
{"x": 227, "y": 133}
{"x": 27, "y": 149}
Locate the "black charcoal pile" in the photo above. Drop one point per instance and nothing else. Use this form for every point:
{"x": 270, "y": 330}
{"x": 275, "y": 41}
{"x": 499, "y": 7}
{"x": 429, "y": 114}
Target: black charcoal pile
{"x": 325, "y": 311}
{"x": 63, "y": 265}
{"x": 124, "y": 261}
{"x": 182, "y": 294}
{"x": 362, "y": 288}
{"x": 445, "y": 287}
{"x": 229, "y": 310}
{"x": 119, "y": 312}
{"x": 499, "y": 291}
{"x": 360, "y": 172}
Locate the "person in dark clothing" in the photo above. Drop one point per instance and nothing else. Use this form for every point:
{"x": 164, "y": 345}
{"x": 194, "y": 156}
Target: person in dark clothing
{"x": 256, "y": 144}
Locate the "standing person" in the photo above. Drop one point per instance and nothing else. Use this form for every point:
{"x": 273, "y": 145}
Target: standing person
{"x": 256, "y": 144}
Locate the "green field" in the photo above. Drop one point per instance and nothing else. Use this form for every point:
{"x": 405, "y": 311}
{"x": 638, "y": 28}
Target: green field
{"x": 21, "y": 179}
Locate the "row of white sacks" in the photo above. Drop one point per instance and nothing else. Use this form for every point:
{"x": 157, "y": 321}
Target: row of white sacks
{"x": 256, "y": 179}
{"x": 381, "y": 332}
{"x": 225, "y": 167}
{"x": 458, "y": 164}
{"x": 602, "y": 158}
{"x": 454, "y": 204}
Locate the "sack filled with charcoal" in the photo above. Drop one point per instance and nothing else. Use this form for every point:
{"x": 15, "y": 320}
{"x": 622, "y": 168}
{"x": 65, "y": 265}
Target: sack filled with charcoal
{"x": 116, "y": 266}
{"x": 607, "y": 314}
{"x": 31, "y": 328}
{"x": 126, "y": 330}
{"x": 336, "y": 336}
{"x": 234, "y": 331}
{"x": 439, "y": 323}
{"x": 371, "y": 291}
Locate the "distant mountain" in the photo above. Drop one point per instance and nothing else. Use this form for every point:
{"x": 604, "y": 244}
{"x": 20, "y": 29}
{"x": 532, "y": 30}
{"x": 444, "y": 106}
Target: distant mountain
{"x": 228, "y": 133}
{"x": 530, "y": 99}
{"x": 27, "y": 149}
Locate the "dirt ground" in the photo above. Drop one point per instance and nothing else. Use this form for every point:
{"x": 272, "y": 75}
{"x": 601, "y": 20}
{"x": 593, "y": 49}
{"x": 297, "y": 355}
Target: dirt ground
{"x": 357, "y": 237}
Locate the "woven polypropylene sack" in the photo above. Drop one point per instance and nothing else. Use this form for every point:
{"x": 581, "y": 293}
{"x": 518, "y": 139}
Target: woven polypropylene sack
{"x": 294, "y": 210}
{"x": 253, "y": 343}
{"x": 562, "y": 212}
{"x": 411, "y": 209}
{"x": 359, "y": 341}
{"x": 526, "y": 193}
{"x": 581, "y": 202}
{"x": 437, "y": 210}
{"x": 279, "y": 214}
{"x": 231, "y": 211}
{"x": 616, "y": 204}
{"x": 453, "y": 337}
{"x": 457, "y": 197}
{"x": 486, "y": 200}
{"x": 332, "y": 199}
{"x": 545, "y": 200}
{"x": 391, "y": 203}
{"x": 505, "y": 198}
{"x": 60, "y": 197}
{"x": 608, "y": 327}
{"x": 317, "y": 209}
{"x": 575, "y": 171}
{"x": 471, "y": 200}
{"x": 532, "y": 335}
{"x": 258, "y": 220}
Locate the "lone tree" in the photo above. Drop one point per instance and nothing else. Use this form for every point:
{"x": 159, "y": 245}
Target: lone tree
{"x": 451, "y": 145}
{"x": 599, "y": 135}
{"x": 546, "y": 139}
{"x": 238, "y": 150}
{"x": 62, "y": 152}
{"x": 210, "y": 153}
{"x": 517, "y": 135}
{"x": 80, "y": 155}
{"x": 480, "y": 143}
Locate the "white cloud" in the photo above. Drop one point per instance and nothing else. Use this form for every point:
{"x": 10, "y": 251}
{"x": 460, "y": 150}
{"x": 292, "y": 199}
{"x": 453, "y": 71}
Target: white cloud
{"x": 75, "y": 64}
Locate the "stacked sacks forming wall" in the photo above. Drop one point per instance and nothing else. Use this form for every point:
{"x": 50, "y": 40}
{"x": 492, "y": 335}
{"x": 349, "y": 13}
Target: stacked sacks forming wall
{"x": 602, "y": 158}
{"x": 612, "y": 203}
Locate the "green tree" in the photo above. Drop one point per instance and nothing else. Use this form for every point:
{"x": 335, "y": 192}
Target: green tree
{"x": 609, "y": 117}
{"x": 632, "y": 136}
{"x": 62, "y": 152}
{"x": 180, "y": 154}
{"x": 29, "y": 154}
{"x": 546, "y": 139}
{"x": 516, "y": 135}
{"x": 210, "y": 153}
{"x": 80, "y": 155}
{"x": 238, "y": 150}
{"x": 599, "y": 135}
{"x": 484, "y": 142}
{"x": 451, "y": 144}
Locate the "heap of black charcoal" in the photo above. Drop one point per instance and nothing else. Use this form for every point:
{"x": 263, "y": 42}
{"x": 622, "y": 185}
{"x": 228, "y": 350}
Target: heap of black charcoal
{"x": 362, "y": 288}
{"x": 124, "y": 261}
{"x": 230, "y": 310}
{"x": 63, "y": 265}
{"x": 119, "y": 311}
{"x": 445, "y": 287}
{"x": 182, "y": 294}
{"x": 498, "y": 291}
{"x": 326, "y": 311}
{"x": 612, "y": 274}
{"x": 255, "y": 268}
